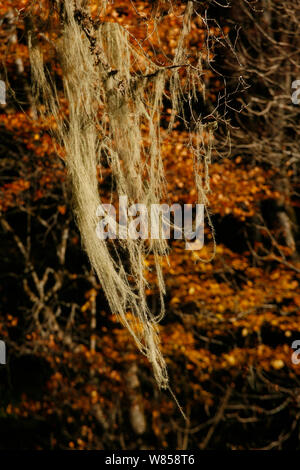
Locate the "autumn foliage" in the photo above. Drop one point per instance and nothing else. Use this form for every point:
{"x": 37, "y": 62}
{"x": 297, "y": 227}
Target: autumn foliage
{"x": 74, "y": 378}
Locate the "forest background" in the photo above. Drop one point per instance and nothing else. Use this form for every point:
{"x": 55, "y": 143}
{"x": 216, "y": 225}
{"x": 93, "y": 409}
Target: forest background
{"x": 74, "y": 378}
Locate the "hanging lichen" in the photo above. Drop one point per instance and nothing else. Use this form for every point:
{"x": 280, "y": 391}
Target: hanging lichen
{"x": 110, "y": 102}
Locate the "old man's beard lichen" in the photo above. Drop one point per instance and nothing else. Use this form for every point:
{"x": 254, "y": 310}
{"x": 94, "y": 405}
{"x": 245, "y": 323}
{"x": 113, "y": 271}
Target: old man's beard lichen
{"x": 113, "y": 109}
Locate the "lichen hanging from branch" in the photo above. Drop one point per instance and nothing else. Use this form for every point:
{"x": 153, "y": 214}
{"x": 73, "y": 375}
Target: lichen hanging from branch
{"x": 110, "y": 103}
